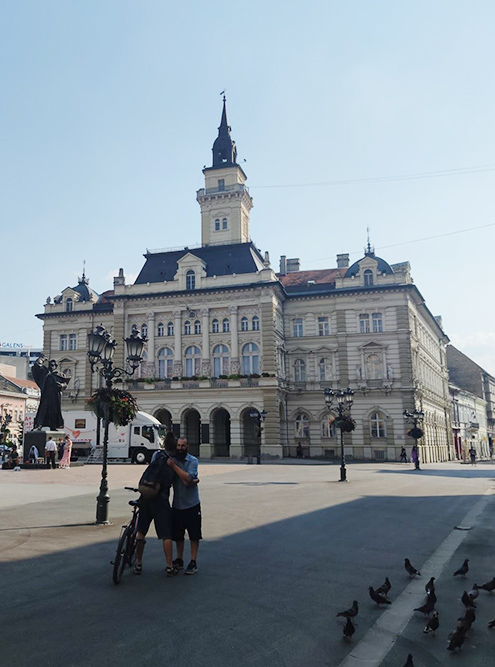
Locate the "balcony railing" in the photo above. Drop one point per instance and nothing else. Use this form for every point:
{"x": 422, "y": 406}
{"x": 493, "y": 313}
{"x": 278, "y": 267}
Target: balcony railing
{"x": 236, "y": 187}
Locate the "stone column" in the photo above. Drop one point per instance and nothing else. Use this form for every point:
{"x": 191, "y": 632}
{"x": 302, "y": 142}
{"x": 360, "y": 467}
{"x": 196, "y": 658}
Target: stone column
{"x": 149, "y": 368}
{"x": 178, "y": 343}
{"x": 234, "y": 341}
{"x": 271, "y": 447}
{"x": 205, "y": 361}
{"x": 235, "y": 438}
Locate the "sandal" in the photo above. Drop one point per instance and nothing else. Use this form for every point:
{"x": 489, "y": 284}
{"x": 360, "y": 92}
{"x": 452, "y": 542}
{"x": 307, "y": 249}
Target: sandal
{"x": 171, "y": 571}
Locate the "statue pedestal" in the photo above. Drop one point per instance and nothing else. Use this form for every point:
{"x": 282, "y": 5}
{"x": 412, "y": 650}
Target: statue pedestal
{"x": 39, "y": 439}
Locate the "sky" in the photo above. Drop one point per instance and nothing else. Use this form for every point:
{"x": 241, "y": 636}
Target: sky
{"x": 349, "y": 115}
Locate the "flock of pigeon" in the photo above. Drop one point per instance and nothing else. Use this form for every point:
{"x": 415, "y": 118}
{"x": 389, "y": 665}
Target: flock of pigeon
{"x": 464, "y": 623}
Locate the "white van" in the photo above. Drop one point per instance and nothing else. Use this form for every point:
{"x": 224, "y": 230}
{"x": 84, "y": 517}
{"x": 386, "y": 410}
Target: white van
{"x": 137, "y": 441}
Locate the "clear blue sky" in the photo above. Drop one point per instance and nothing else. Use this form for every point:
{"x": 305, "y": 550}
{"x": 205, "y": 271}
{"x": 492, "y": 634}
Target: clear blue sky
{"x": 109, "y": 109}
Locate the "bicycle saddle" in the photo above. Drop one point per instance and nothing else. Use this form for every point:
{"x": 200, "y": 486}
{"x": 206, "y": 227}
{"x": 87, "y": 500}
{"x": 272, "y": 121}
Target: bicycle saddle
{"x": 133, "y": 503}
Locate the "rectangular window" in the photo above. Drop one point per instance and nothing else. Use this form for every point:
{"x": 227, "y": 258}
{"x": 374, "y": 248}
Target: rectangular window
{"x": 221, "y": 183}
{"x": 80, "y": 423}
{"x": 377, "y": 322}
{"x": 297, "y": 327}
{"x": 63, "y": 341}
{"x": 364, "y": 323}
{"x": 72, "y": 341}
{"x": 323, "y": 327}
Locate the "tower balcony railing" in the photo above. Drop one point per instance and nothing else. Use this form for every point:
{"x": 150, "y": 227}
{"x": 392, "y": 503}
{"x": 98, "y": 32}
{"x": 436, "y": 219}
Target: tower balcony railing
{"x": 235, "y": 187}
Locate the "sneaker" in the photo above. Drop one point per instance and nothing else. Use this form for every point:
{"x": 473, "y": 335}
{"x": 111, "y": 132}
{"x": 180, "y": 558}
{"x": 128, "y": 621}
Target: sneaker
{"x": 171, "y": 571}
{"x": 138, "y": 568}
{"x": 192, "y": 568}
{"x": 178, "y": 563}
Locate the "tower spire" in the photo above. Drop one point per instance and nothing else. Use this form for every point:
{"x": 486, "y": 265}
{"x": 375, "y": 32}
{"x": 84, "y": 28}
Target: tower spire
{"x": 369, "y": 251}
{"x": 224, "y": 149}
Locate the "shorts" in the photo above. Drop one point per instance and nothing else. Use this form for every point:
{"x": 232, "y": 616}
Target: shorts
{"x": 189, "y": 520}
{"x": 158, "y": 511}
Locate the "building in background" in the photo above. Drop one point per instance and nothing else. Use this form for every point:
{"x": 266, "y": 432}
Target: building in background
{"x": 18, "y": 397}
{"x": 228, "y": 337}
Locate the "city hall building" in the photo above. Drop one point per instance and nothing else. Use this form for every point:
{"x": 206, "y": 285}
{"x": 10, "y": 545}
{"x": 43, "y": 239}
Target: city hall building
{"x": 230, "y": 337}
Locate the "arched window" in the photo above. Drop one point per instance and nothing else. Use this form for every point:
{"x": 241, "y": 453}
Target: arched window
{"x": 160, "y": 329}
{"x": 226, "y": 325}
{"x": 374, "y": 367}
{"x": 221, "y": 360}
{"x": 300, "y": 370}
{"x": 368, "y": 277}
{"x": 327, "y": 428}
{"x": 217, "y": 224}
{"x": 302, "y": 426}
{"x": 377, "y": 322}
{"x": 224, "y": 223}
{"x": 197, "y": 327}
{"x": 190, "y": 280}
{"x": 187, "y": 328}
{"x": 244, "y": 323}
{"x": 378, "y": 427}
{"x": 324, "y": 369}
{"x": 170, "y": 329}
{"x": 144, "y": 330}
{"x": 165, "y": 363}
{"x": 250, "y": 359}
{"x": 193, "y": 361}
{"x": 256, "y": 323}
{"x": 69, "y": 304}
{"x": 215, "y": 326}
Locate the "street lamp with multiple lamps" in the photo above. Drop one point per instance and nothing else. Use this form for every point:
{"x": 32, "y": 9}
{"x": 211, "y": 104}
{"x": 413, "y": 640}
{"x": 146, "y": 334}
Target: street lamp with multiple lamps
{"x": 259, "y": 419}
{"x": 345, "y": 400}
{"x": 101, "y": 348}
{"x": 416, "y": 416}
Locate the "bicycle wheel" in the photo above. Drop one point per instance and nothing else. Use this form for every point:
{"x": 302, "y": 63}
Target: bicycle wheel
{"x": 120, "y": 556}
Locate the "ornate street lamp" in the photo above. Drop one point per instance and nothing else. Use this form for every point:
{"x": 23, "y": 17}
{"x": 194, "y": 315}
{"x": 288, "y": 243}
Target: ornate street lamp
{"x": 343, "y": 421}
{"x": 416, "y": 416}
{"x": 258, "y": 419}
{"x": 101, "y": 348}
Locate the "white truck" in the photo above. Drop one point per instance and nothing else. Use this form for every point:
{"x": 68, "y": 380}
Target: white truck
{"x": 137, "y": 441}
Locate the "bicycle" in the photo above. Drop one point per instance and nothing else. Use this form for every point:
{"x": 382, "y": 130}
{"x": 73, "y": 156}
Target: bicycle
{"x": 126, "y": 545}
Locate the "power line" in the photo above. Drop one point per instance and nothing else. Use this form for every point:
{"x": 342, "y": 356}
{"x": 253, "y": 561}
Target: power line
{"x": 461, "y": 171}
{"x": 425, "y": 238}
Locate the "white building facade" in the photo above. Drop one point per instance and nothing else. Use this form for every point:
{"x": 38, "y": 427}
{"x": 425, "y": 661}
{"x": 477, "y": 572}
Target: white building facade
{"x": 228, "y": 338}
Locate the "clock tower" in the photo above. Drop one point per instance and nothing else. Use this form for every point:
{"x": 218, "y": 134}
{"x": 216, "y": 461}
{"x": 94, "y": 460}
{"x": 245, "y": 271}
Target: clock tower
{"x": 225, "y": 201}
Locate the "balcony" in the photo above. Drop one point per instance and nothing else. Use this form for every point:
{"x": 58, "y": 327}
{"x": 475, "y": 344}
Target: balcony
{"x": 236, "y": 187}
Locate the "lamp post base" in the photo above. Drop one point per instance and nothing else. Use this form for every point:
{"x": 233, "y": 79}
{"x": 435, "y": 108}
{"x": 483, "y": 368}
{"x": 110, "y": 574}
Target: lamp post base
{"x": 343, "y": 474}
{"x": 102, "y": 501}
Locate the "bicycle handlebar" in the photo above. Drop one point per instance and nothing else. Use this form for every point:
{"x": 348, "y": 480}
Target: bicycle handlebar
{"x": 130, "y": 488}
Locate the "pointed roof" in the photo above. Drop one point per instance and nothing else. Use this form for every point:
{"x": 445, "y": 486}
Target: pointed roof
{"x": 224, "y": 149}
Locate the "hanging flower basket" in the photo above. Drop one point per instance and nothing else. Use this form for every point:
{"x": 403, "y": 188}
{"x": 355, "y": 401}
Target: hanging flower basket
{"x": 113, "y": 405}
{"x": 345, "y": 423}
{"x": 415, "y": 433}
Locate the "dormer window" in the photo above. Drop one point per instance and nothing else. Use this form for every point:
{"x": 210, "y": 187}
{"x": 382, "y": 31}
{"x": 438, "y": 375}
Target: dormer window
{"x": 69, "y": 305}
{"x": 221, "y": 184}
{"x": 190, "y": 280}
{"x": 368, "y": 278}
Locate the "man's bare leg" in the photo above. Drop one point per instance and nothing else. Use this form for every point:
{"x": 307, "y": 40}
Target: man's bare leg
{"x": 180, "y": 549}
{"x": 194, "y": 549}
{"x": 168, "y": 551}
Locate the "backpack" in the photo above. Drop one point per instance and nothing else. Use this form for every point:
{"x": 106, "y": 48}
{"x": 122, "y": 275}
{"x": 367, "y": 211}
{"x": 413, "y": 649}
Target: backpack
{"x": 149, "y": 486}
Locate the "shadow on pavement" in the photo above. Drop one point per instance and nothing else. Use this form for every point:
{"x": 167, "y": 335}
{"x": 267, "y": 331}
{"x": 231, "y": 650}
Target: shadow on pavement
{"x": 263, "y": 596}
{"x": 463, "y": 472}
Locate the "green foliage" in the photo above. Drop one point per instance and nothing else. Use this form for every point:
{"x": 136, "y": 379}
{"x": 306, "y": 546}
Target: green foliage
{"x": 113, "y": 405}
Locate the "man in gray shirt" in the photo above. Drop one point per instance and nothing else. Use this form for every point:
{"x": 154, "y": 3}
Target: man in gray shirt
{"x": 186, "y": 508}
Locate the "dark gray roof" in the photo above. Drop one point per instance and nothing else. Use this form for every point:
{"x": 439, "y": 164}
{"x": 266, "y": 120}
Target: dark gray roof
{"x": 220, "y": 260}
{"x": 382, "y": 266}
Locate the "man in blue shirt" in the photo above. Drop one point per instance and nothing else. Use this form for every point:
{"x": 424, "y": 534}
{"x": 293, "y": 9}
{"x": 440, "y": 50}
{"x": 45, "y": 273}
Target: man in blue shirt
{"x": 186, "y": 508}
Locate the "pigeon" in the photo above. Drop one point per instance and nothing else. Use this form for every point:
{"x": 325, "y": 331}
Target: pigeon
{"x": 489, "y": 586}
{"x": 409, "y": 662}
{"x": 433, "y": 624}
{"x": 376, "y": 597}
{"x": 491, "y": 625}
{"x": 412, "y": 571}
{"x": 463, "y": 570}
{"x": 350, "y": 613}
{"x": 430, "y": 586}
{"x": 456, "y": 639}
{"x": 473, "y": 593}
{"x": 467, "y": 620}
{"x": 384, "y": 588}
{"x": 466, "y": 600}
{"x": 349, "y": 629}
{"x": 428, "y": 606}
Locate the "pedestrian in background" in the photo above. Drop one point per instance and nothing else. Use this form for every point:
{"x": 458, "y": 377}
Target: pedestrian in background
{"x": 60, "y": 449}
{"x": 403, "y": 455}
{"x": 472, "y": 455}
{"x": 50, "y": 449}
{"x": 65, "y": 460}
{"x": 34, "y": 454}
{"x": 415, "y": 457}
